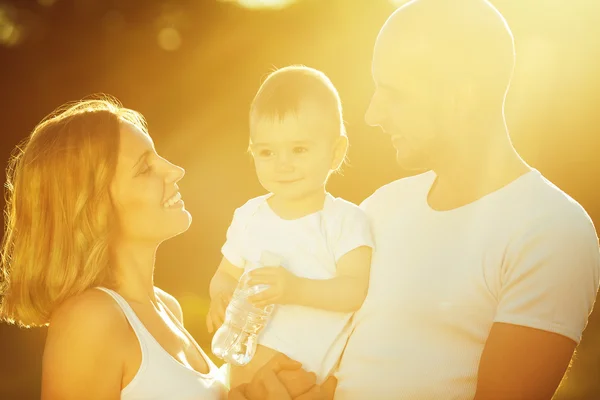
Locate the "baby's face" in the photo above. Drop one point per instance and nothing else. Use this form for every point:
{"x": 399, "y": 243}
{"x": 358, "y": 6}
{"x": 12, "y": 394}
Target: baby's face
{"x": 294, "y": 156}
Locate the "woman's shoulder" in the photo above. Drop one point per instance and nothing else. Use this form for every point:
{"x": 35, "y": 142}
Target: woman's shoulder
{"x": 92, "y": 312}
{"x": 86, "y": 345}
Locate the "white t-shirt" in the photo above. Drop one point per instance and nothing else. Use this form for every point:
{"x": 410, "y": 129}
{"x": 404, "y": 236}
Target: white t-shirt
{"x": 526, "y": 254}
{"x": 309, "y": 247}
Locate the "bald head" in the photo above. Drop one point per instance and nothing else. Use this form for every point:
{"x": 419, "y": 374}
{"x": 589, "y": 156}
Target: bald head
{"x": 462, "y": 41}
{"x": 441, "y": 69}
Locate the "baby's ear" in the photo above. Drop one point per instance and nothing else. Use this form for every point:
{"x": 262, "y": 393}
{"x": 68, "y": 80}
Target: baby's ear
{"x": 340, "y": 150}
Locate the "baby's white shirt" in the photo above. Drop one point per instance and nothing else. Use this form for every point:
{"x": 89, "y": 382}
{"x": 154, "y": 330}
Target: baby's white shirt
{"x": 309, "y": 247}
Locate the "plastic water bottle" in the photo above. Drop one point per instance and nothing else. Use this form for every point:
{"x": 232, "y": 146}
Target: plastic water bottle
{"x": 235, "y": 341}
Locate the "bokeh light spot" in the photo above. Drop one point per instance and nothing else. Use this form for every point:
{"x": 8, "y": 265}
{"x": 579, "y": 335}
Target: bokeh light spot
{"x": 169, "y": 39}
{"x": 195, "y": 307}
{"x": 10, "y": 32}
{"x": 257, "y": 4}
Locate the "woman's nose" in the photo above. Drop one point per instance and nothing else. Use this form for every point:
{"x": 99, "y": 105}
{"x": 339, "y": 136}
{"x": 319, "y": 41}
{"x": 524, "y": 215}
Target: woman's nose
{"x": 175, "y": 173}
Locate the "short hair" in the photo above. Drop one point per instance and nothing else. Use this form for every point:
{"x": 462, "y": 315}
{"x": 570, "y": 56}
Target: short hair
{"x": 59, "y": 214}
{"x": 285, "y": 91}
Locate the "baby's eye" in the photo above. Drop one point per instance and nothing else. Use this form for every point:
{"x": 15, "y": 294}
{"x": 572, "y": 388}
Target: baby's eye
{"x": 265, "y": 153}
{"x": 300, "y": 150}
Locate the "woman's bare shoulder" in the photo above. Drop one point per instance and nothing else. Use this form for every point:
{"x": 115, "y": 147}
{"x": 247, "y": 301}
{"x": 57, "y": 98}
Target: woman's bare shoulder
{"x": 85, "y": 347}
{"x": 91, "y": 312}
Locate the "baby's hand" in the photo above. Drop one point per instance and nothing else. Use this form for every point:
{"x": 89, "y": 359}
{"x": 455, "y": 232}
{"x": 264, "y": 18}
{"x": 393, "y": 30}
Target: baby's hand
{"x": 283, "y": 286}
{"x": 216, "y": 312}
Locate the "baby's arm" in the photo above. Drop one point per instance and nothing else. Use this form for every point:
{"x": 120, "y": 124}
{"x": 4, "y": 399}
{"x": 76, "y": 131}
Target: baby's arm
{"x": 344, "y": 293}
{"x": 225, "y": 279}
{"x": 222, "y": 286}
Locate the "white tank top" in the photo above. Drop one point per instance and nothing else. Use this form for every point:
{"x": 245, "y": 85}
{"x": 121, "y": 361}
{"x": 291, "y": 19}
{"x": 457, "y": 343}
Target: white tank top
{"x": 160, "y": 376}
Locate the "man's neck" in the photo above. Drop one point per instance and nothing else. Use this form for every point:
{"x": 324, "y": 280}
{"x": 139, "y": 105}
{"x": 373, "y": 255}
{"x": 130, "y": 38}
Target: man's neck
{"x": 474, "y": 172}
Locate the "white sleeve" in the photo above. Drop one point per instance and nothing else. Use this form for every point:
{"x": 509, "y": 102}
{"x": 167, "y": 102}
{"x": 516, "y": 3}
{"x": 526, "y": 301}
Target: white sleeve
{"x": 365, "y": 205}
{"x": 551, "y": 276}
{"x": 232, "y": 249}
{"x": 353, "y": 231}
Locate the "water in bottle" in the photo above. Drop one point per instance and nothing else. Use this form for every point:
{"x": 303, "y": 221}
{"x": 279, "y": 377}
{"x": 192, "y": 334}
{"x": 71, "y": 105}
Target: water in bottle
{"x": 235, "y": 341}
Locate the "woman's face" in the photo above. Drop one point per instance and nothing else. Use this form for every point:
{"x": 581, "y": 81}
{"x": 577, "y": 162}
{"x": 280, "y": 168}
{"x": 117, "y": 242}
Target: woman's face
{"x": 145, "y": 192}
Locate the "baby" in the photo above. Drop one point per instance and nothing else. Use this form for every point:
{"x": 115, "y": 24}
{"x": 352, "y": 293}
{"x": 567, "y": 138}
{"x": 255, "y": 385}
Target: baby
{"x": 297, "y": 140}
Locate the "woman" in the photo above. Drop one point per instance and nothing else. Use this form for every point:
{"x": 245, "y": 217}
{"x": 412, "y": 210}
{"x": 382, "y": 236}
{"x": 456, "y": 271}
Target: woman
{"x": 88, "y": 202}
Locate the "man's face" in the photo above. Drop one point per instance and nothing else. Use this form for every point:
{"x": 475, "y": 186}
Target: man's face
{"x": 411, "y": 103}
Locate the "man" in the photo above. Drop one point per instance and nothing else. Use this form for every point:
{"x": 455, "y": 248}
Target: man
{"x": 484, "y": 273}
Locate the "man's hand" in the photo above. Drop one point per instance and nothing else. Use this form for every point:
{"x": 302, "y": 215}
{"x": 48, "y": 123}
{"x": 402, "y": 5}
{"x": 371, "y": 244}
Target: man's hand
{"x": 283, "y": 286}
{"x": 216, "y": 311}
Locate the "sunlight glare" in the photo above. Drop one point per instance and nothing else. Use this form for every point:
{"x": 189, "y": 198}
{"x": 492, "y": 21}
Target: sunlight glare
{"x": 257, "y": 4}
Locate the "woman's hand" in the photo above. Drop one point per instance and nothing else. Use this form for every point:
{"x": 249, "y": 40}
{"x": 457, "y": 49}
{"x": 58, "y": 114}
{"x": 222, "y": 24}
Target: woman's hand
{"x": 274, "y": 390}
{"x": 284, "y": 379}
{"x": 216, "y": 311}
{"x": 283, "y": 286}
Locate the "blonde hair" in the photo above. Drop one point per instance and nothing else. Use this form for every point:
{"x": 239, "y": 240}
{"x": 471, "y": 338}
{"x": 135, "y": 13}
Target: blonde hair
{"x": 58, "y": 209}
{"x": 284, "y": 90}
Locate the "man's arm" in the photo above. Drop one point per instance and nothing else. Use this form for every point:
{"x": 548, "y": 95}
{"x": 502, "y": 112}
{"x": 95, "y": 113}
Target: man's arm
{"x": 521, "y": 363}
{"x": 548, "y": 285}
